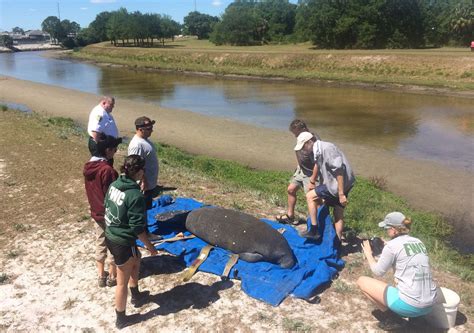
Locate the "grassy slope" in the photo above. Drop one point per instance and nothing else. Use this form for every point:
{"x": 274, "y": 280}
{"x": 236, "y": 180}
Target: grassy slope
{"x": 368, "y": 203}
{"x": 442, "y": 68}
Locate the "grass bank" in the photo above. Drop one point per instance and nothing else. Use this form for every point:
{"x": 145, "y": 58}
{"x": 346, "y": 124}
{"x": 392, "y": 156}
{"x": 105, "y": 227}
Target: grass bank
{"x": 368, "y": 201}
{"x": 436, "y": 68}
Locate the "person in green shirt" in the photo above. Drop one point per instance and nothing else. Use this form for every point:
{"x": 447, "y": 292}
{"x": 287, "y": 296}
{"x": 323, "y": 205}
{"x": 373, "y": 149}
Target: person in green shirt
{"x": 125, "y": 217}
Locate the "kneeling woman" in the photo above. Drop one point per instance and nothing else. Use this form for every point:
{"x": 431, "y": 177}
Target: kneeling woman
{"x": 125, "y": 216}
{"x": 415, "y": 290}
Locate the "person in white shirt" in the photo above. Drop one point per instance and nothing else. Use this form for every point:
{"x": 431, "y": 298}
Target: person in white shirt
{"x": 414, "y": 292}
{"x": 101, "y": 121}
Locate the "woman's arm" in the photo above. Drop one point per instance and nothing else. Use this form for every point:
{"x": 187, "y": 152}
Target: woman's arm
{"x": 149, "y": 246}
{"x": 386, "y": 259}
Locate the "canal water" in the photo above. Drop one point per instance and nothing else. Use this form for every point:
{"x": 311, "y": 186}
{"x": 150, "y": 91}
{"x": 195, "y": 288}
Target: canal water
{"x": 437, "y": 129}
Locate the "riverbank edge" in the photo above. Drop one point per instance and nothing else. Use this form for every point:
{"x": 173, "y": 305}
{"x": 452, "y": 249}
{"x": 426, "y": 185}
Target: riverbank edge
{"x": 31, "y": 49}
{"x": 377, "y": 86}
{"x": 235, "y": 141}
{"x": 444, "y": 256}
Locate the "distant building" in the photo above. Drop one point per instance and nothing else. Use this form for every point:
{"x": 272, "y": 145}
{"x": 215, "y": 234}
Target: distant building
{"x": 30, "y": 37}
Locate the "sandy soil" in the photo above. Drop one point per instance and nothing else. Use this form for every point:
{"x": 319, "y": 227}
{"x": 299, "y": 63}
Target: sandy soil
{"x": 48, "y": 275}
{"x": 425, "y": 185}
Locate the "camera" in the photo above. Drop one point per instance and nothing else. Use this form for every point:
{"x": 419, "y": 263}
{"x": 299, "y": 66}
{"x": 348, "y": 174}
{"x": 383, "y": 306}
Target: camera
{"x": 377, "y": 244}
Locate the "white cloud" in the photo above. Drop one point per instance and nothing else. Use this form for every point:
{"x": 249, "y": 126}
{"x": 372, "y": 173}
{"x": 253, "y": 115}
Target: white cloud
{"x": 84, "y": 8}
{"x": 32, "y": 10}
{"x": 103, "y": 1}
{"x": 217, "y": 3}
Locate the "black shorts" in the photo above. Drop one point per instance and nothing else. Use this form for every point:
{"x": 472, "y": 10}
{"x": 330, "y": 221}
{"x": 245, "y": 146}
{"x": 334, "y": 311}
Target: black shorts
{"x": 122, "y": 253}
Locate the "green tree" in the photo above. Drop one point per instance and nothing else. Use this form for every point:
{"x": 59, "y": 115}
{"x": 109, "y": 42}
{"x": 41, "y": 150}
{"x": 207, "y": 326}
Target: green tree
{"x": 117, "y": 25}
{"x": 198, "y": 24}
{"x": 238, "y": 25}
{"x": 18, "y": 30}
{"x": 279, "y": 17}
{"x": 6, "y": 41}
{"x": 69, "y": 27}
{"x": 52, "y": 25}
{"x": 98, "y": 32}
{"x": 461, "y": 22}
{"x": 169, "y": 28}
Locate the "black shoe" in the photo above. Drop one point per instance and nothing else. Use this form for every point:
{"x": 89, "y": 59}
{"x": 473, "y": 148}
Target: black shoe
{"x": 123, "y": 321}
{"x": 102, "y": 281}
{"x": 311, "y": 233}
{"x": 140, "y": 299}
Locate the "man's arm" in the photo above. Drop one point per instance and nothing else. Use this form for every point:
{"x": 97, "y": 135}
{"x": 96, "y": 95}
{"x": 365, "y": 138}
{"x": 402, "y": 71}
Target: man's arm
{"x": 95, "y": 136}
{"x": 340, "y": 188}
{"x": 313, "y": 177}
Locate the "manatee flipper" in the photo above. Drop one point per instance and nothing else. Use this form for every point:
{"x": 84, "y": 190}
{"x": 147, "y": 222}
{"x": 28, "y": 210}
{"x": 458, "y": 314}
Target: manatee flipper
{"x": 251, "y": 257}
{"x": 173, "y": 239}
{"x": 187, "y": 275}
{"x": 171, "y": 214}
{"x": 230, "y": 263}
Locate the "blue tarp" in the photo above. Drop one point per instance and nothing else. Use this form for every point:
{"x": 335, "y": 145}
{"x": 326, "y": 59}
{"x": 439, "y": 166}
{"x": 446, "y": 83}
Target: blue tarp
{"x": 317, "y": 263}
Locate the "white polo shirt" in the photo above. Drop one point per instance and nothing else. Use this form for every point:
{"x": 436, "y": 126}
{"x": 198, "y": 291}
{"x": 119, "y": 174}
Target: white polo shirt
{"x": 102, "y": 122}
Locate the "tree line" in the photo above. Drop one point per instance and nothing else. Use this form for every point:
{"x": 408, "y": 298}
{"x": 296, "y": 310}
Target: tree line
{"x": 346, "y": 24}
{"x": 339, "y": 24}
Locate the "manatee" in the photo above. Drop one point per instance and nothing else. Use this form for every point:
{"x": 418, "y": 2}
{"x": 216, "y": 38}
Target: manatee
{"x": 253, "y": 240}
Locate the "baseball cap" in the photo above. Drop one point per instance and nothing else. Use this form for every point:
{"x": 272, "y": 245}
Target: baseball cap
{"x": 143, "y": 122}
{"x": 302, "y": 139}
{"x": 393, "y": 219}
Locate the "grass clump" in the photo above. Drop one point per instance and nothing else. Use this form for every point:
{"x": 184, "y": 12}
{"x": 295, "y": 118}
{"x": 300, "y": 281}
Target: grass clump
{"x": 65, "y": 126}
{"x": 13, "y": 254}
{"x": 20, "y": 227}
{"x": 4, "y": 278}
{"x": 4, "y": 107}
{"x": 295, "y": 325}
{"x": 341, "y": 287}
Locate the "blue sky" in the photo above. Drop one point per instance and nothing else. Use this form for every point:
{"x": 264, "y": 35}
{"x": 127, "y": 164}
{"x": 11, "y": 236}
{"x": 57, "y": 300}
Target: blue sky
{"x": 28, "y": 14}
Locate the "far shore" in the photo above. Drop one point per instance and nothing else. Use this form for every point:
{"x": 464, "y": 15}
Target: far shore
{"x": 425, "y": 185}
{"x": 394, "y": 87}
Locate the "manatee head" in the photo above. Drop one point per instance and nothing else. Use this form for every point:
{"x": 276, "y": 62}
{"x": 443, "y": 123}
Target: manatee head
{"x": 288, "y": 260}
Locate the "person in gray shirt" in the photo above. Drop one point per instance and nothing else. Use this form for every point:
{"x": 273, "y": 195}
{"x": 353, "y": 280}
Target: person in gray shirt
{"x": 336, "y": 180}
{"x": 415, "y": 290}
{"x": 142, "y": 145}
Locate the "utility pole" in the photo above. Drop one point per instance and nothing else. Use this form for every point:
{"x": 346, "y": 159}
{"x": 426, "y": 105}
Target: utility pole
{"x": 194, "y": 5}
{"x": 59, "y": 13}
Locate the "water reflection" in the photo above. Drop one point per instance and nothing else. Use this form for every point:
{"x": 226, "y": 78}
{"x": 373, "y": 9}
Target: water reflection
{"x": 440, "y": 129}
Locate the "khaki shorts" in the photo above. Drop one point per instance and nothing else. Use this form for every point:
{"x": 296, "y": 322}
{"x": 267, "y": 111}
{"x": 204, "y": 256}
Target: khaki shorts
{"x": 100, "y": 247}
{"x": 300, "y": 179}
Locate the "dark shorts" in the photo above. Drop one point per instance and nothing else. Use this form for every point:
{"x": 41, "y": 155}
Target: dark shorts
{"x": 330, "y": 200}
{"x": 323, "y": 192}
{"x": 122, "y": 253}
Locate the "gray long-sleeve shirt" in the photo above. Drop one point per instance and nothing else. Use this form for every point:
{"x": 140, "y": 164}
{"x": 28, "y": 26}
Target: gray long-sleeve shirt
{"x": 408, "y": 257}
{"x": 330, "y": 161}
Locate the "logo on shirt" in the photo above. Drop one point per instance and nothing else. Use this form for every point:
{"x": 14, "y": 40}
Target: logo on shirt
{"x": 115, "y": 199}
{"x": 414, "y": 248}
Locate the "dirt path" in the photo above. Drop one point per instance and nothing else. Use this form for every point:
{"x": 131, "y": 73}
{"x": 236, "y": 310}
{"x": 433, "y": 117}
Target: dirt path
{"x": 425, "y": 185}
